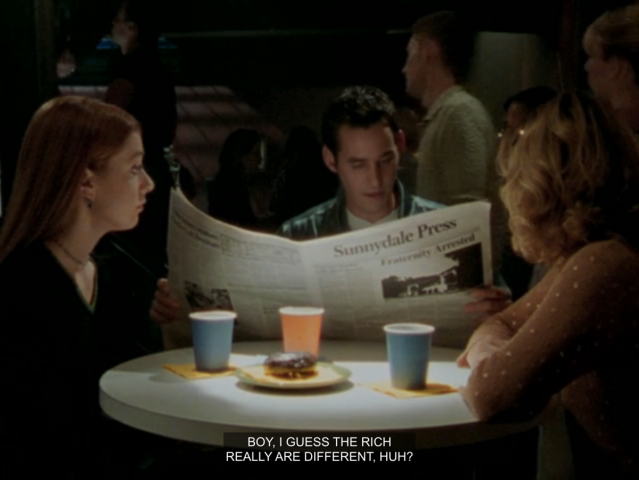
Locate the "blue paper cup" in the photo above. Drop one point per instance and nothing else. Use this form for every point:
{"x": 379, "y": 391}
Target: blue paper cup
{"x": 212, "y": 333}
{"x": 408, "y": 350}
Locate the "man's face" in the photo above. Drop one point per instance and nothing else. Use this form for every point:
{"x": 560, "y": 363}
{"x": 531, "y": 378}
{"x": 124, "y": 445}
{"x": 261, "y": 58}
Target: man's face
{"x": 366, "y": 163}
{"x": 416, "y": 67}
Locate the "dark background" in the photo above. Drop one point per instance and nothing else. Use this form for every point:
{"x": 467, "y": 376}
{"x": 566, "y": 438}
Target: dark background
{"x": 256, "y": 46}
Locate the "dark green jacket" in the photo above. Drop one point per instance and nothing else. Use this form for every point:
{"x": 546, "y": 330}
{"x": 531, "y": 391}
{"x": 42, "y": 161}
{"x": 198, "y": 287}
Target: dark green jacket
{"x": 329, "y": 218}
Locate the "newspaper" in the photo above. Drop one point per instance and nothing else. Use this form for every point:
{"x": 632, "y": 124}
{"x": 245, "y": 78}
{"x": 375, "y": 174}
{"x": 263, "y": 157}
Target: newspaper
{"x": 415, "y": 269}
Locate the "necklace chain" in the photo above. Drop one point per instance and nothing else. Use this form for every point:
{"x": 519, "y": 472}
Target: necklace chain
{"x": 81, "y": 263}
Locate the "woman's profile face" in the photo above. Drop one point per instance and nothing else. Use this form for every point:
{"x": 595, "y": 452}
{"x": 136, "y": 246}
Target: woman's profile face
{"x": 599, "y": 69}
{"x": 121, "y": 187}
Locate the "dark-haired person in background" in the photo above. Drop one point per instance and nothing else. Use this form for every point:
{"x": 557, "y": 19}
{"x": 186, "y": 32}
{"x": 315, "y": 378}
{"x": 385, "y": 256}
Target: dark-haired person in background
{"x": 455, "y": 155}
{"x": 143, "y": 86}
{"x": 229, "y": 194}
{"x": 303, "y": 180}
{"x": 523, "y": 106}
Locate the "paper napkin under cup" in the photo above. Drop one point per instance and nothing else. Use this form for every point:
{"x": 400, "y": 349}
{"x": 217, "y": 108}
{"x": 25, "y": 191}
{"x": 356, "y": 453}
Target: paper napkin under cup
{"x": 188, "y": 371}
{"x": 430, "y": 390}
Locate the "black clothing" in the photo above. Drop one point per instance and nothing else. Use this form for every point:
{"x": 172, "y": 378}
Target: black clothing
{"x": 154, "y": 101}
{"x": 229, "y": 200}
{"x": 57, "y": 349}
{"x": 153, "y": 104}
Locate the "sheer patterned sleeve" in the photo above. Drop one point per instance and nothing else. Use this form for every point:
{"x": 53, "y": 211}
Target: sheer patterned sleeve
{"x": 558, "y": 332}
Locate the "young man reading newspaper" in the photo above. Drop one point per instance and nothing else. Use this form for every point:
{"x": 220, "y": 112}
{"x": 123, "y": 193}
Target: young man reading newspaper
{"x": 362, "y": 144}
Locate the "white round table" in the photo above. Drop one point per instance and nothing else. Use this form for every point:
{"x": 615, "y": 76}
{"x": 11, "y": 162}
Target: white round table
{"x": 143, "y": 395}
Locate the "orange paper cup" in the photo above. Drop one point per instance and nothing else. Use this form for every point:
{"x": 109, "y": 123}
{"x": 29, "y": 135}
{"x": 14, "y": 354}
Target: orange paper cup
{"x": 301, "y": 328}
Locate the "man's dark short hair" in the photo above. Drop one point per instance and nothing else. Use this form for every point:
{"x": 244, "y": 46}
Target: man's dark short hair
{"x": 360, "y": 107}
{"x": 455, "y": 36}
{"x": 531, "y": 98}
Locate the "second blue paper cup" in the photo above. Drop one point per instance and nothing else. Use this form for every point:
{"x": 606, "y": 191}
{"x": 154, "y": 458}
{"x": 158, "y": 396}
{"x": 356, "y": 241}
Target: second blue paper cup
{"x": 212, "y": 333}
{"x": 408, "y": 350}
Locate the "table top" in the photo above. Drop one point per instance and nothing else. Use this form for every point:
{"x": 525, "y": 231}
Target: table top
{"x": 142, "y": 394}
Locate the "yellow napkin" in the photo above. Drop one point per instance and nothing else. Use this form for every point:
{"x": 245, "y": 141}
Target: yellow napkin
{"x": 388, "y": 389}
{"x": 189, "y": 372}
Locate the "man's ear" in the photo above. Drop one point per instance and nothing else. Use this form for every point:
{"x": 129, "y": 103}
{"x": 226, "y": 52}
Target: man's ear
{"x": 400, "y": 141}
{"x": 88, "y": 186}
{"x": 329, "y": 159}
{"x": 429, "y": 48}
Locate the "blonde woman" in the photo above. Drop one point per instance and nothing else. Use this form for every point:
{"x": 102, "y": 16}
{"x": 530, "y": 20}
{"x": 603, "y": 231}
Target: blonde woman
{"x": 612, "y": 45}
{"x": 79, "y": 177}
{"x": 571, "y": 187}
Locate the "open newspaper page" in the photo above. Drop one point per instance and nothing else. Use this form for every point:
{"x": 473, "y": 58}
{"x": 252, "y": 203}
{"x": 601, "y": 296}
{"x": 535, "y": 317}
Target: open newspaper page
{"x": 416, "y": 269}
{"x": 214, "y": 265}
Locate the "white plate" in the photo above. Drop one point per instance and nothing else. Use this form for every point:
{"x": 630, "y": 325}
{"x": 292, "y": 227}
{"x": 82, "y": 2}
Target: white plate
{"x": 327, "y": 374}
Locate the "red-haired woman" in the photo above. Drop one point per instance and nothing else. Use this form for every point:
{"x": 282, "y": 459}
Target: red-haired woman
{"x": 79, "y": 177}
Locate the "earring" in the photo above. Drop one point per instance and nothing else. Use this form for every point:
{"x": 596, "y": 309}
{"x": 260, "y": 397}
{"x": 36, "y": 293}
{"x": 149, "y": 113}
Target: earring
{"x": 89, "y": 204}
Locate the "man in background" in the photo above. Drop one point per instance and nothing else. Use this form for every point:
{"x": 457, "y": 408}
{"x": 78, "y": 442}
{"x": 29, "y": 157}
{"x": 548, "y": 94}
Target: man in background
{"x": 456, "y": 150}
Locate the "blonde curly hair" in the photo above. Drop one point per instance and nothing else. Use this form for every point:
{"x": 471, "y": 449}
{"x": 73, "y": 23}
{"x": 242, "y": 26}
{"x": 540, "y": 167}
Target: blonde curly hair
{"x": 571, "y": 176}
